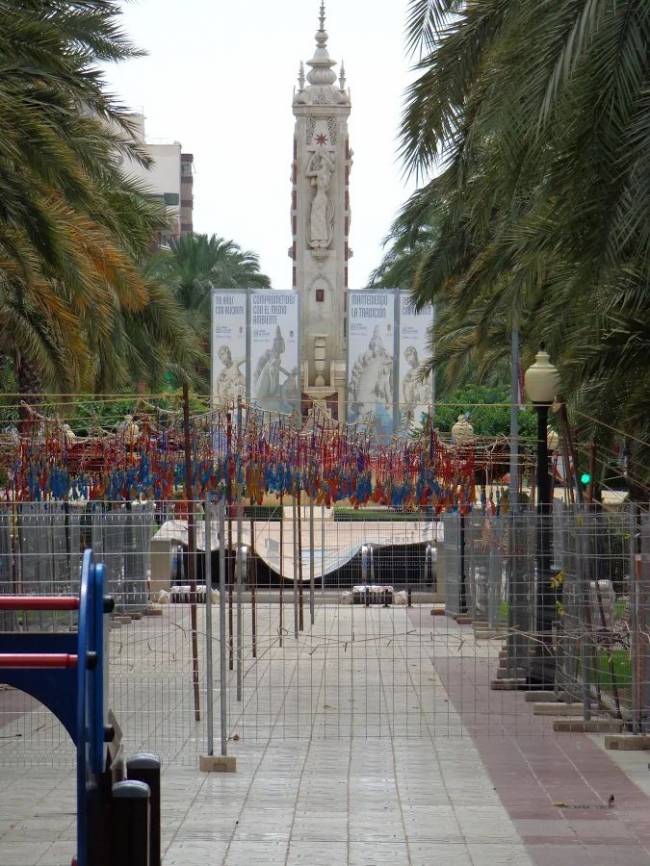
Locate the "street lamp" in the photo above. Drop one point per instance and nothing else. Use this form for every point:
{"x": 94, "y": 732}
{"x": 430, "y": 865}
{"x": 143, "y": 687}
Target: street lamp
{"x": 542, "y": 381}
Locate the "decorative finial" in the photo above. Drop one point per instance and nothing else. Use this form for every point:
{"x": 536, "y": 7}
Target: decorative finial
{"x": 301, "y": 76}
{"x": 321, "y": 73}
{"x": 342, "y": 79}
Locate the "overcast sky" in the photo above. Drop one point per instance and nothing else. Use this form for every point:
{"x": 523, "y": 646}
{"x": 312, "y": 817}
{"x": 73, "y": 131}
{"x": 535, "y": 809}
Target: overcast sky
{"x": 219, "y": 78}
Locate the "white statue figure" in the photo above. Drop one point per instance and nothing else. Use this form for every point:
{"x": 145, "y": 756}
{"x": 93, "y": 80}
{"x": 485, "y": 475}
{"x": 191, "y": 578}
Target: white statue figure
{"x": 462, "y": 433}
{"x": 320, "y": 170}
{"x": 416, "y": 391}
{"x": 371, "y": 381}
{"x": 272, "y": 394}
{"x": 230, "y": 383}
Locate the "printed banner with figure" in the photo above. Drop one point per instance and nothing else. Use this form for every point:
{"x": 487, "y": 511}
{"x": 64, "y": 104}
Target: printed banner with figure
{"x": 275, "y": 348}
{"x": 415, "y": 394}
{"x": 371, "y": 359}
{"x": 229, "y": 325}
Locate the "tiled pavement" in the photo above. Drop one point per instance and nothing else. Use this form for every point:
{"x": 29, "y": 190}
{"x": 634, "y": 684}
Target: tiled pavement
{"x": 476, "y": 783}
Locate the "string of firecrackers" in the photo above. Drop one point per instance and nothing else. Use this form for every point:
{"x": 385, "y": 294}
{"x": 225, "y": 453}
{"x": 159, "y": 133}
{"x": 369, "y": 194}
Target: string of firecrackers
{"x": 330, "y": 465}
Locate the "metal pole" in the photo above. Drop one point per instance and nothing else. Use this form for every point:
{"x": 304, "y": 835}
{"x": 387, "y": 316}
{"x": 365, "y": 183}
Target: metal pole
{"x": 634, "y": 637}
{"x": 231, "y": 560}
{"x": 365, "y": 566}
{"x": 514, "y": 645}
{"x": 191, "y": 551}
{"x": 301, "y": 604}
{"x": 514, "y": 421}
{"x": 312, "y": 564}
{"x": 295, "y": 566}
{"x": 322, "y": 547}
{"x": 223, "y": 696}
{"x": 545, "y": 606}
{"x": 208, "y": 627}
{"x": 582, "y": 578}
{"x": 239, "y": 564}
{"x": 462, "y": 601}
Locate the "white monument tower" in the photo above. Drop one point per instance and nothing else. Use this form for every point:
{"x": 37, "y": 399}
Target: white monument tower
{"x": 320, "y": 220}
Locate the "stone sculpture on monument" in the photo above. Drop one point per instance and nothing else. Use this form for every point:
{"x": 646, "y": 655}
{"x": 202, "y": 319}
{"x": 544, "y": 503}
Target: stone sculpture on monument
{"x": 320, "y": 170}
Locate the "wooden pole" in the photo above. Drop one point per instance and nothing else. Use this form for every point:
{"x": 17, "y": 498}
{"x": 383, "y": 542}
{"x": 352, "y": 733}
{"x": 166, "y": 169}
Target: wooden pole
{"x": 295, "y": 563}
{"x": 281, "y": 624}
{"x": 572, "y": 470}
{"x": 312, "y": 564}
{"x": 191, "y": 550}
{"x": 253, "y": 580}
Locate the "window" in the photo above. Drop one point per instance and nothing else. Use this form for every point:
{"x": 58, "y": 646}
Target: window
{"x": 320, "y": 295}
{"x": 171, "y": 198}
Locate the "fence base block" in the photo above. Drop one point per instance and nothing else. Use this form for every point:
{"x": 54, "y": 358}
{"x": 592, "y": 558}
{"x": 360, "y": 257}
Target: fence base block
{"x": 538, "y": 697}
{"x": 629, "y": 743}
{"x": 555, "y": 708}
{"x": 218, "y": 764}
{"x": 593, "y": 726}
{"x": 515, "y": 684}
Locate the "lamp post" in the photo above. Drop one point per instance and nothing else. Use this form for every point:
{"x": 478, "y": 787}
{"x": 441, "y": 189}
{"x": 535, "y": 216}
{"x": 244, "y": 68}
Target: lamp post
{"x": 542, "y": 381}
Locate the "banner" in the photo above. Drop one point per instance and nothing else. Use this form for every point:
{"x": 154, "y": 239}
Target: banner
{"x": 229, "y": 356}
{"x": 371, "y": 359}
{"x": 275, "y": 351}
{"x": 415, "y": 392}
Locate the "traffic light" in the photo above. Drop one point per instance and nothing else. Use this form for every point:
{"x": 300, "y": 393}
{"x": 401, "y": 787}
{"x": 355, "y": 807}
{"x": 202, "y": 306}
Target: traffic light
{"x": 585, "y": 478}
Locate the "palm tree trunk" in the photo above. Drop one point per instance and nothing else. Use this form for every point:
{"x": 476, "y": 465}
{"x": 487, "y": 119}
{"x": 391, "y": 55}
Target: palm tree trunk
{"x": 29, "y": 388}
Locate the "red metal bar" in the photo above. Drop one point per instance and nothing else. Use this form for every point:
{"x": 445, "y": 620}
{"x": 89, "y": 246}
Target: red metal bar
{"x": 38, "y": 661}
{"x": 39, "y": 602}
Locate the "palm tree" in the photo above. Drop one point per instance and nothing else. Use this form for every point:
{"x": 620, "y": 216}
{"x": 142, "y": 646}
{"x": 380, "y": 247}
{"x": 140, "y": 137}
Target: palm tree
{"x": 195, "y": 265}
{"x": 72, "y": 227}
{"x": 534, "y": 119}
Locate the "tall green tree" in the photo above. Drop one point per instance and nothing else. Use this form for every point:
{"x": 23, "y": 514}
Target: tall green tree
{"x": 196, "y": 264}
{"x": 73, "y": 228}
{"x": 529, "y": 124}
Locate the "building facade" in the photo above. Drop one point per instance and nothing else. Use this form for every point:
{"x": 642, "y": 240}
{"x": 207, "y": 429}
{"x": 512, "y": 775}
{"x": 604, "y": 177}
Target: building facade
{"x": 169, "y": 179}
{"x": 320, "y": 223}
{"x": 187, "y": 194}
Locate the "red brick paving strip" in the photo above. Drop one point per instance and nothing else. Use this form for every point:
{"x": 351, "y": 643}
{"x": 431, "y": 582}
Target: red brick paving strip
{"x": 532, "y": 768}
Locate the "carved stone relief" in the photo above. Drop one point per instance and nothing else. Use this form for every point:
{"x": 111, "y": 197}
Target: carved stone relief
{"x": 320, "y": 171}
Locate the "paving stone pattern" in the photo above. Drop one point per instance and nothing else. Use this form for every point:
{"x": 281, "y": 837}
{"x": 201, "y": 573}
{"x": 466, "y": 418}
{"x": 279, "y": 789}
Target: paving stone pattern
{"x": 383, "y": 748}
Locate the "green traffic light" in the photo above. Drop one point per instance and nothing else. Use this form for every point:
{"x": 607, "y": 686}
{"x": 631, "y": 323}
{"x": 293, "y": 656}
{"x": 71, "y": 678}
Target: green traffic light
{"x": 585, "y": 478}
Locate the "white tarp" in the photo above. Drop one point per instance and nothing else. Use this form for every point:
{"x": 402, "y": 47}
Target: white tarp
{"x": 275, "y": 351}
{"x": 371, "y": 361}
{"x": 229, "y": 350}
{"x": 415, "y": 393}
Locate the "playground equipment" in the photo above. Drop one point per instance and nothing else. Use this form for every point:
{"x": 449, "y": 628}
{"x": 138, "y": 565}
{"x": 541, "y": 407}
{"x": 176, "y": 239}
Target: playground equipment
{"x": 68, "y": 673}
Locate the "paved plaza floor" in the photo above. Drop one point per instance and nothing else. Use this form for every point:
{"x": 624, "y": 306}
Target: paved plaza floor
{"x": 373, "y": 740}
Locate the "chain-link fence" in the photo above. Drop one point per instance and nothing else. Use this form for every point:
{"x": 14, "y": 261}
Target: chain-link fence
{"x": 297, "y": 621}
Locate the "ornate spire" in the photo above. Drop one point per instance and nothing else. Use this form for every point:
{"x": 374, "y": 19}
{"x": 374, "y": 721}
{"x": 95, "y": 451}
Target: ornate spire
{"x": 301, "y": 76}
{"x": 321, "y": 72}
{"x": 342, "y": 79}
